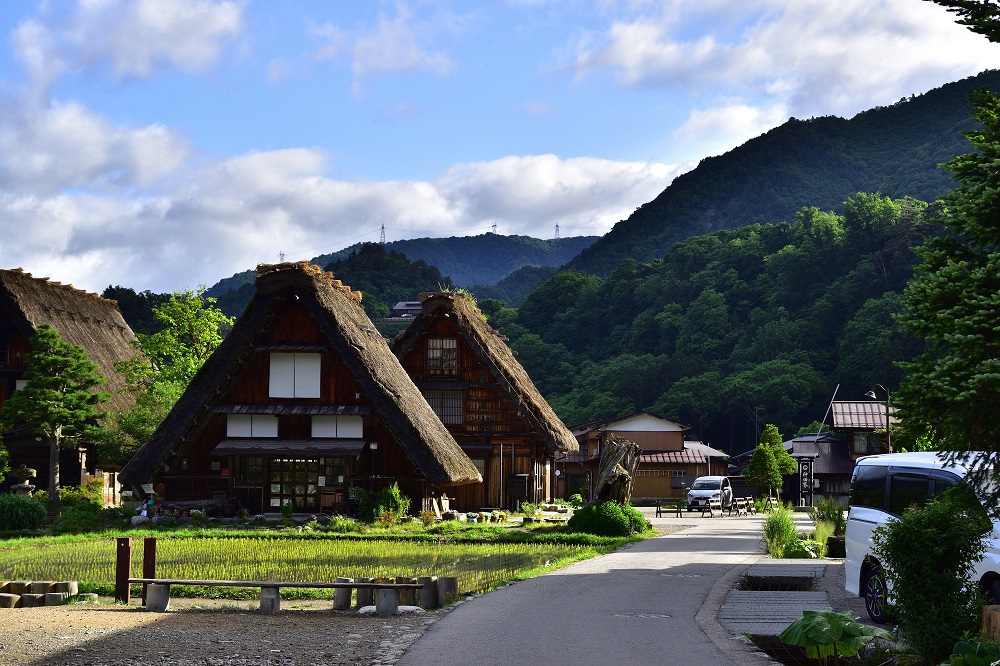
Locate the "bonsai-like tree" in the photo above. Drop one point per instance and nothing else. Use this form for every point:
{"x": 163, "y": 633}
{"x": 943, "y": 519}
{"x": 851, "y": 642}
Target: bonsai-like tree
{"x": 59, "y": 400}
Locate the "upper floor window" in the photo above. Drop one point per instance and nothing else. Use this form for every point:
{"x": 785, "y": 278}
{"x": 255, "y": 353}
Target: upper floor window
{"x": 442, "y": 356}
{"x": 294, "y": 375}
{"x": 446, "y": 404}
{"x": 351, "y": 427}
{"x": 251, "y": 425}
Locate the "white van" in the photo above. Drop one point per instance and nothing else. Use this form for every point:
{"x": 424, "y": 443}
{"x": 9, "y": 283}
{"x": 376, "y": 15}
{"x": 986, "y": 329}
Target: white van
{"x": 881, "y": 488}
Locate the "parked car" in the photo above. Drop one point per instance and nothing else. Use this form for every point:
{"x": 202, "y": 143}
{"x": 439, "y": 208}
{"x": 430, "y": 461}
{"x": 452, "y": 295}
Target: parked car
{"x": 705, "y": 488}
{"x": 881, "y": 488}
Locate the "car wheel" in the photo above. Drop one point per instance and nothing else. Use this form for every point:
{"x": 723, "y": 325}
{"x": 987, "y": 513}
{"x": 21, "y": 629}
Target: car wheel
{"x": 874, "y": 591}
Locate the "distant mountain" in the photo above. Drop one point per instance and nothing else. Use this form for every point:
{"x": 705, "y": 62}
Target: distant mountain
{"x": 482, "y": 260}
{"x": 819, "y": 162}
{"x": 514, "y": 288}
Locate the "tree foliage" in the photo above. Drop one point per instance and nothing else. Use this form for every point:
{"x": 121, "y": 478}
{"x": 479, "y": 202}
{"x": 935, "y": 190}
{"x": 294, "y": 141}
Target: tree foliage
{"x": 763, "y": 472}
{"x": 771, "y": 437}
{"x": 190, "y": 328}
{"x": 60, "y": 400}
{"x": 4, "y": 462}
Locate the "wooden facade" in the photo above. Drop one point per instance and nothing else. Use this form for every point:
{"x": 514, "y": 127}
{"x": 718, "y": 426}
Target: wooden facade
{"x": 299, "y": 404}
{"x": 472, "y": 382}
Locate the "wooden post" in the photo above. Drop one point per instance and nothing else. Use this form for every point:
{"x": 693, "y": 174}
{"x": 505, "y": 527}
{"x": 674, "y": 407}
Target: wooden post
{"x": 991, "y": 622}
{"x": 406, "y": 595}
{"x": 427, "y": 597}
{"x": 366, "y": 595}
{"x": 123, "y": 570}
{"x": 148, "y": 563}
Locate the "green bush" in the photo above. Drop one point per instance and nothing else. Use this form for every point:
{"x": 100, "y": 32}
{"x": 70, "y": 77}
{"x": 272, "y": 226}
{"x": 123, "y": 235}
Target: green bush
{"x": 20, "y": 513}
{"x": 576, "y": 500}
{"x": 637, "y": 522}
{"x": 929, "y": 556}
{"x": 601, "y": 518}
{"x": 802, "y": 550}
{"x": 529, "y": 508}
{"x": 391, "y": 500}
{"x": 779, "y": 531}
{"x": 79, "y": 518}
{"x": 831, "y": 511}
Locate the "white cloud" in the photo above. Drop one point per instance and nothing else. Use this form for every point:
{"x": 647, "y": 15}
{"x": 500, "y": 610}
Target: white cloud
{"x": 136, "y": 37}
{"x": 393, "y": 44}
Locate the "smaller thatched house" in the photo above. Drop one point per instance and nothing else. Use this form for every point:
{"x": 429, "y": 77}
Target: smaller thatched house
{"x": 81, "y": 318}
{"x": 300, "y": 402}
{"x": 472, "y": 381}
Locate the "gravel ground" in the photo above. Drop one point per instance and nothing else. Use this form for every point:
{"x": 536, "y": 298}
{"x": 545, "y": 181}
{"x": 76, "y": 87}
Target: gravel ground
{"x": 204, "y": 633}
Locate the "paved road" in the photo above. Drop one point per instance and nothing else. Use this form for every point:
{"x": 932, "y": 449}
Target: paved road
{"x": 654, "y": 602}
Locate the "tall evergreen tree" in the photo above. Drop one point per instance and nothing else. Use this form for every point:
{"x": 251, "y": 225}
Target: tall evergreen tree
{"x": 952, "y": 390}
{"x": 59, "y": 400}
{"x": 762, "y": 471}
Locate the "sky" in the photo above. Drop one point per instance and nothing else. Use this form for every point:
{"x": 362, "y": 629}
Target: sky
{"x": 166, "y": 144}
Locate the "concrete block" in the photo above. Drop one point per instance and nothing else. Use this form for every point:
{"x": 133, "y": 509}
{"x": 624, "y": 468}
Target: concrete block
{"x": 54, "y": 598}
{"x": 70, "y": 587}
{"x": 366, "y": 596}
{"x": 31, "y": 600}
{"x": 386, "y": 601}
{"x": 157, "y": 597}
{"x": 270, "y": 600}
{"x": 427, "y": 597}
{"x": 342, "y": 595}
{"x": 3, "y": 587}
{"x": 43, "y": 586}
{"x": 406, "y": 596}
{"x": 19, "y": 586}
{"x": 9, "y": 600}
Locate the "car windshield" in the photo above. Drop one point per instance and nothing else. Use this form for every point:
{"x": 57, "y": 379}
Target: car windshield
{"x": 706, "y": 484}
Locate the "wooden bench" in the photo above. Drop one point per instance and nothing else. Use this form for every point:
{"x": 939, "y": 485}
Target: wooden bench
{"x": 673, "y": 505}
{"x": 710, "y": 507}
{"x": 386, "y": 593}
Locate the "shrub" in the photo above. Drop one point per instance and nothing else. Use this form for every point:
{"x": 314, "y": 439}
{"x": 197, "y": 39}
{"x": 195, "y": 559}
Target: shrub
{"x": 78, "y": 518}
{"x": 802, "y": 549}
{"x": 387, "y": 517}
{"x": 427, "y": 517}
{"x": 602, "y": 518}
{"x": 576, "y": 500}
{"x": 830, "y": 510}
{"x": 929, "y": 555}
{"x": 778, "y": 531}
{"x": 529, "y": 508}
{"x": 637, "y": 522}
{"x": 20, "y": 513}
{"x": 390, "y": 499}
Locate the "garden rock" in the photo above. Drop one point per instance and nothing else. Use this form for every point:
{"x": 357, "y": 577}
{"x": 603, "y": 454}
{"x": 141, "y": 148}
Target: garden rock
{"x": 139, "y": 520}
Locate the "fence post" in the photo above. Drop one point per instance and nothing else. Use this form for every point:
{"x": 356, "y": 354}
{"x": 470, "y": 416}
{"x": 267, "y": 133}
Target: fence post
{"x": 148, "y": 563}
{"x": 123, "y": 569}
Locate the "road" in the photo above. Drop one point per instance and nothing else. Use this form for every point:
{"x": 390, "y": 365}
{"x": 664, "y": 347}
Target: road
{"x": 653, "y": 602}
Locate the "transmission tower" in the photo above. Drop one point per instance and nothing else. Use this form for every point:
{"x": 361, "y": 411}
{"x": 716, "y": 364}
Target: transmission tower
{"x": 281, "y": 257}
{"x": 494, "y": 226}
{"x": 557, "y": 232}
{"x": 381, "y": 239}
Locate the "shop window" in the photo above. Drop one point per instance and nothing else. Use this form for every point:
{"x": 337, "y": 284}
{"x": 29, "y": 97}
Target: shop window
{"x": 294, "y": 375}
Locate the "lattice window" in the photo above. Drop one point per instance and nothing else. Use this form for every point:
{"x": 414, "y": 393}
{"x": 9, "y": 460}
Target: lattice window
{"x": 446, "y": 404}
{"x": 442, "y": 357}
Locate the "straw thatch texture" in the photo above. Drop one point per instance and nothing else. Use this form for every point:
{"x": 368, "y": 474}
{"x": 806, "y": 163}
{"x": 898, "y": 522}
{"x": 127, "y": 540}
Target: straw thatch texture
{"x": 493, "y": 352}
{"x": 82, "y": 318}
{"x": 338, "y": 313}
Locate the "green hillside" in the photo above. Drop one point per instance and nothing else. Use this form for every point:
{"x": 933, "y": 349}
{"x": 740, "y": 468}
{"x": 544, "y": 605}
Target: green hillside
{"x": 819, "y": 162}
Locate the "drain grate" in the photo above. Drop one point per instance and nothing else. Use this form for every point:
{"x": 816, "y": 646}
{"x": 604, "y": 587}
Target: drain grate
{"x": 643, "y": 616}
{"x": 789, "y": 655}
{"x": 782, "y": 584}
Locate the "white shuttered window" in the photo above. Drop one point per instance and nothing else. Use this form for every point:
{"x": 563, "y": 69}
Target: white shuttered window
{"x": 294, "y": 375}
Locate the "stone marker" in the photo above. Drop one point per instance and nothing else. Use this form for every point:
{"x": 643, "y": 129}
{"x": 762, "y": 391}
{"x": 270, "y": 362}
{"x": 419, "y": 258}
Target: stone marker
{"x": 406, "y": 596}
{"x": 366, "y": 595}
{"x": 342, "y": 595}
{"x": 9, "y": 600}
{"x": 270, "y": 600}
{"x": 427, "y": 597}
{"x": 386, "y": 601}
{"x": 157, "y": 597}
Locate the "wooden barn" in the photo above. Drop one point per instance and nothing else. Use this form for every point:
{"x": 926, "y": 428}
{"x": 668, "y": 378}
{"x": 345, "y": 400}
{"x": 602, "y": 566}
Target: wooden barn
{"x": 300, "y": 402}
{"x": 81, "y": 318}
{"x": 472, "y": 381}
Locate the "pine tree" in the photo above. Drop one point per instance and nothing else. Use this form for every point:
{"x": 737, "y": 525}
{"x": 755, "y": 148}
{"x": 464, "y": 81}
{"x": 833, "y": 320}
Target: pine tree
{"x": 59, "y": 400}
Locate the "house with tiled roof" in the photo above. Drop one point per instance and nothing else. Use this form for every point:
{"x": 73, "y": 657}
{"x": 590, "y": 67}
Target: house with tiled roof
{"x": 861, "y": 423}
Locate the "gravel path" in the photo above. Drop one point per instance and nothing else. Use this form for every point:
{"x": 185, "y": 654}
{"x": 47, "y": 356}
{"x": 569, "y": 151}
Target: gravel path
{"x": 204, "y": 633}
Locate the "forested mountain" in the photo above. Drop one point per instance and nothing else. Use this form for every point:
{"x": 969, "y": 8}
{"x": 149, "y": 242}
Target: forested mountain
{"x": 485, "y": 259}
{"x": 733, "y": 329}
{"x": 819, "y": 162}
{"x": 514, "y": 288}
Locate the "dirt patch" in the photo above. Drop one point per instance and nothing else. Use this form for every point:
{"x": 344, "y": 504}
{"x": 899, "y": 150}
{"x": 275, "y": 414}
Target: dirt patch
{"x": 206, "y": 633}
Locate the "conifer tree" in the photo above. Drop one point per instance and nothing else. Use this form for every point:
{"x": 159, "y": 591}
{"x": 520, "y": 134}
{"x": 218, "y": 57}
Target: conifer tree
{"x": 59, "y": 401}
{"x": 762, "y": 471}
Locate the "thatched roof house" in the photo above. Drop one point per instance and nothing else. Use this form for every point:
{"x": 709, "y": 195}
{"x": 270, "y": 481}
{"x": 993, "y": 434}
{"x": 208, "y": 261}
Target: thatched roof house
{"x": 357, "y": 419}
{"x": 486, "y": 399}
{"x": 81, "y": 318}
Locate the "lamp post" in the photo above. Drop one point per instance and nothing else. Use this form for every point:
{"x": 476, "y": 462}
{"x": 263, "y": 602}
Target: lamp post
{"x": 871, "y": 394}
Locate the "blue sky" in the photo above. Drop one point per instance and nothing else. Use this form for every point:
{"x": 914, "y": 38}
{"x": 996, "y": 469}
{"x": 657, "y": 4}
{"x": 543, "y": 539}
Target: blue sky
{"x": 165, "y": 144}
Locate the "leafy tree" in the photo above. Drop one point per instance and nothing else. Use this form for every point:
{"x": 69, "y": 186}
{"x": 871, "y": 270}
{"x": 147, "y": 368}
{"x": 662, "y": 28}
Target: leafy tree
{"x": 4, "y": 462}
{"x": 762, "y": 471}
{"x": 771, "y": 437}
{"x": 59, "y": 400}
{"x": 166, "y": 361}
{"x": 951, "y": 391}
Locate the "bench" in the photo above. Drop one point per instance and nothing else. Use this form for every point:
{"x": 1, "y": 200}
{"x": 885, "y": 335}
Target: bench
{"x": 710, "y": 507}
{"x": 739, "y": 505}
{"x": 386, "y": 593}
{"x": 673, "y": 505}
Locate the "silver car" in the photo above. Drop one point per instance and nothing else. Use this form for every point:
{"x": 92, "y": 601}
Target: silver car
{"x": 707, "y": 488}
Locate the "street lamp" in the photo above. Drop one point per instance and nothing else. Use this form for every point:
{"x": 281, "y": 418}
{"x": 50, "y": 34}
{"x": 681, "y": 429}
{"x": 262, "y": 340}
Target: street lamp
{"x": 871, "y": 394}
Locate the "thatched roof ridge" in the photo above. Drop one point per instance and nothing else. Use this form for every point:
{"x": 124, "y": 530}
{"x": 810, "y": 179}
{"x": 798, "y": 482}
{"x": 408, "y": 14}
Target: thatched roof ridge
{"x": 81, "y": 318}
{"x": 491, "y": 348}
{"x": 337, "y": 311}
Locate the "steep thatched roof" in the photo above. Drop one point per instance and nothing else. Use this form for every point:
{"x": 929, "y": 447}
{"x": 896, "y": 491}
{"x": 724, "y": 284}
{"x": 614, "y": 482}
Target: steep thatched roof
{"x": 338, "y": 313}
{"x": 495, "y": 355}
{"x": 82, "y": 318}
